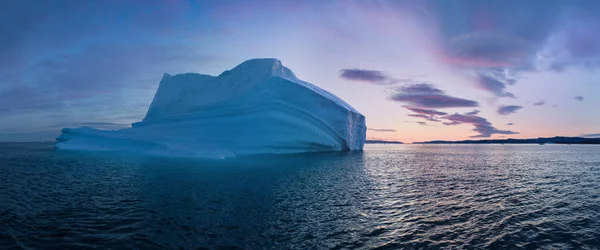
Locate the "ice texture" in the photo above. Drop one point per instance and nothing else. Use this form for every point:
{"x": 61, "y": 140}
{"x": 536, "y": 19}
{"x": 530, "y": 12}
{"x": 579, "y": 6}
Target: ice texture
{"x": 258, "y": 107}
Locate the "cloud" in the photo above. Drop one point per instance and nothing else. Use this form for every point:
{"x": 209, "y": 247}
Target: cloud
{"x": 507, "y": 110}
{"x": 539, "y": 103}
{"x": 426, "y": 111}
{"x": 488, "y": 50}
{"x": 427, "y": 114}
{"x": 426, "y": 117}
{"x": 474, "y": 112}
{"x": 16, "y": 99}
{"x": 381, "y": 130}
{"x": 578, "y": 98}
{"x": 94, "y": 77}
{"x": 29, "y": 26}
{"x": 575, "y": 42}
{"x": 70, "y": 61}
{"x": 427, "y": 96}
{"x": 434, "y": 101}
{"x": 420, "y": 88}
{"x": 500, "y": 36}
{"x": 419, "y": 122}
{"x": 372, "y": 76}
{"x": 529, "y": 20}
{"x": 74, "y": 53}
{"x": 510, "y": 124}
{"x": 481, "y": 125}
{"x": 375, "y": 77}
{"x": 495, "y": 86}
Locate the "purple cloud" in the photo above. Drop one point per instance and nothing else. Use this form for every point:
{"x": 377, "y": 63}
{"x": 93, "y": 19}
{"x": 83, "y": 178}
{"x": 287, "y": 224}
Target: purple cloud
{"x": 574, "y": 43}
{"x": 539, "y": 103}
{"x": 495, "y": 86}
{"x": 426, "y": 114}
{"x": 507, "y": 110}
{"x": 426, "y": 111}
{"x": 578, "y": 98}
{"x": 557, "y": 33}
{"x": 474, "y": 112}
{"x": 434, "y": 101}
{"x": 371, "y": 76}
{"x": 418, "y": 122}
{"x": 488, "y": 50}
{"x": 375, "y": 77}
{"x": 426, "y": 117}
{"x": 420, "y": 88}
{"x": 481, "y": 125}
{"x": 510, "y": 124}
{"x": 427, "y": 96}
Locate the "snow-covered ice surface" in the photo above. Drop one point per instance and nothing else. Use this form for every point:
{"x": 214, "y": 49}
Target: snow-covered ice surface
{"x": 258, "y": 107}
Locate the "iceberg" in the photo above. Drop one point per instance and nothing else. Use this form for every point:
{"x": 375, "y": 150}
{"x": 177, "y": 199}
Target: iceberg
{"x": 258, "y": 107}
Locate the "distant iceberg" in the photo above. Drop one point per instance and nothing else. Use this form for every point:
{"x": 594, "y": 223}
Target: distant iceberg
{"x": 258, "y": 107}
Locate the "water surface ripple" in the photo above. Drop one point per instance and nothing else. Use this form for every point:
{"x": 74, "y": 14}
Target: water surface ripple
{"x": 387, "y": 197}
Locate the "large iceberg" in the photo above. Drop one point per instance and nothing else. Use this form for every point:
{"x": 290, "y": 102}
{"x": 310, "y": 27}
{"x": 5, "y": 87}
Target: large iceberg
{"x": 258, "y": 107}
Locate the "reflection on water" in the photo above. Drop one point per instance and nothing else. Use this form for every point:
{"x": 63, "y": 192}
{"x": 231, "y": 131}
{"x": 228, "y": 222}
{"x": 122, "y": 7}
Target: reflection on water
{"x": 389, "y": 197}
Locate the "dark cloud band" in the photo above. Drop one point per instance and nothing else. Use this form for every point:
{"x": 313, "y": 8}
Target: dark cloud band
{"x": 371, "y": 76}
{"x": 481, "y": 125}
{"x": 427, "y": 96}
{"x": 507, "y": 110}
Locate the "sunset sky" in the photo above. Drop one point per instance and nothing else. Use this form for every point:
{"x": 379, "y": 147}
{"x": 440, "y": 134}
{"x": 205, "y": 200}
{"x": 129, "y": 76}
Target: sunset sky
{"x": 418, "y": 70}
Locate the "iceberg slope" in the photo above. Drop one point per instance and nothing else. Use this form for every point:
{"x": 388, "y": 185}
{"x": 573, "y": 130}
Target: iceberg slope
{"x": 258, "y": 107}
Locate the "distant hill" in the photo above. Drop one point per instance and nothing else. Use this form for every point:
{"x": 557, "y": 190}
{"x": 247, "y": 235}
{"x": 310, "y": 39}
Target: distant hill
{"x": 556, "y": 140}
{"x": 382, "y": 142}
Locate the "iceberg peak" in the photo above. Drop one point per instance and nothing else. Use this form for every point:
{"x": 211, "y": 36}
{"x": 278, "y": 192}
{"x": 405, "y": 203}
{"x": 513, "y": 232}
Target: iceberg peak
{"x": 257, "y": 107}
{"x": 257, "y": 63}
{"x": 262, "y": 67}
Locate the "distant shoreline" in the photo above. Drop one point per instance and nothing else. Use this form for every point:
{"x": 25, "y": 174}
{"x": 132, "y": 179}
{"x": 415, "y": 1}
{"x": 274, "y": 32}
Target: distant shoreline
{"x": 549, "y": 140}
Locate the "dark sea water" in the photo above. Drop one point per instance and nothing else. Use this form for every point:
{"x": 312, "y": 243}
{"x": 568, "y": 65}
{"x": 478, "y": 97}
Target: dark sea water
{"x": 387, "y": 197}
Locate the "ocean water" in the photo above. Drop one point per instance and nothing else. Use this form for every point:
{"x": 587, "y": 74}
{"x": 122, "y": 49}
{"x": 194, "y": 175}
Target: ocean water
{"x": 386, "y": 197}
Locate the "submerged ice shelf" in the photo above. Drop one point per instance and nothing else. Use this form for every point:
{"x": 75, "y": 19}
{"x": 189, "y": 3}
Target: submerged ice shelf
{"x": 258, "y": 107}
